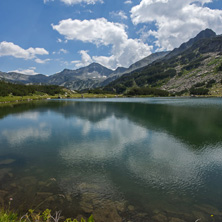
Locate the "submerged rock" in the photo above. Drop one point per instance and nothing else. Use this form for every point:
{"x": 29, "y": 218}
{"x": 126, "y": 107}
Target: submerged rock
{"x": 120, "y": 206}
{"x": 160, "y": 218}
{"x": 173, "y": 219}
{"x": 108, "y": 214}
{"x": 208, "y": 209}
{"x": 199, "y": 216}
{"x": 131, "y": 208}
{"x": 7, "y": 161}
{"x": 4, "y": 172}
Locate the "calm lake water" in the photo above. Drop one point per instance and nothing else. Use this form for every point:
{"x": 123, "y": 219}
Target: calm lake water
{"x": 151, "y": 159}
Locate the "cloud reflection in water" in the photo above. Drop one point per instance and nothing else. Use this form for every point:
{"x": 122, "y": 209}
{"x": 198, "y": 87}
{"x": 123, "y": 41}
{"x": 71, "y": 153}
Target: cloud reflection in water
{"x": 21, "y": 135}
{"x": 113, "y": 135}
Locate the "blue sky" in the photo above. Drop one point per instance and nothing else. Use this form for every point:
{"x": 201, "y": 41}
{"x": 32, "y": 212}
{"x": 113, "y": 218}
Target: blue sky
{"x": 46, "y": 36}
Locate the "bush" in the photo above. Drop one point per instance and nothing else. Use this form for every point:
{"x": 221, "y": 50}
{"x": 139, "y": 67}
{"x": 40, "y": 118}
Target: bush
{"x": 98, "y": 91}
{"x": 24, "y": 90}
{"x": 147, "y": 91}
{"x": 181, "y": 92}
{"x": 120, "y": 88}
{"x": 210, "y": 83}
{"x": 219, "y": 68}
{"x": 199, "y": 91}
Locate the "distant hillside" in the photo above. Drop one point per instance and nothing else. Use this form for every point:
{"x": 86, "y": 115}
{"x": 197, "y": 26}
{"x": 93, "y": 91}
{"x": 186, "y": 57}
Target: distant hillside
{"x": 135, "y": 66}
{"x": 194, "y": 69}
{"x": 25, "y": 79}
{"x": 91, "y": 76}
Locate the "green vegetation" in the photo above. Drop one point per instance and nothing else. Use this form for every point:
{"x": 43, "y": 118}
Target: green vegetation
{"x": 210, "y": 83}
{"x": 159, "y": 73}
{"x": 98, "y": 91}
{"x": 199, "y": 91}
{"x": 194, "y": 64}
{"x": 213, "y": 62}
{"x": 8, "y": 217}
{"x": 31, "y": 216}
{"x": 149, "y": 76}
{"x": 7, "y": 89}
{"x": 182, "y": 92}
{"x": 147, "y": 91}
{"x": 10, "y": 92}
{"x": 219, "y": 68}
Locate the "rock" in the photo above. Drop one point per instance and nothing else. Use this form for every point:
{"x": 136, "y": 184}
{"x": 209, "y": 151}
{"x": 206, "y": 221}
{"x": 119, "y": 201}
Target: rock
{"x": 199, "y": 215}
{"x": 142, "y": 215}
{"x": 87, "y": 202}
{"x": 107, "y": 214}
{"x": 159, "y": 218}
{"x": 173, "y": 219}
{"x": 120, "y": 206}
{"x": 10, "y": 174}
{"x": 7, "y": 161}
{"x": 4, "y": 172}
{"x": 131, "y": 208}
{"x": 156, "y": 211}
{"x": 208, "y": 209}
{"x": 28, "y": 181}
{"x": 86, "y": 186}
{"x": 87, "y": 207}
{"x": 42, "y": 183}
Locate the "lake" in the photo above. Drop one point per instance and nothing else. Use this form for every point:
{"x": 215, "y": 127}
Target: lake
{"x": 137, "y": 159}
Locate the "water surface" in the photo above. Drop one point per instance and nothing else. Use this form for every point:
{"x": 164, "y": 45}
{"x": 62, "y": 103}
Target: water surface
{"x": 153, "y": 159}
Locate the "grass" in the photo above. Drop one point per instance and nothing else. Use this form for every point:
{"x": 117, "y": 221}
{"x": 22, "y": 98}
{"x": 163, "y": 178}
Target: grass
{"x": 45, "y": 216}
{"x": 8, "y": 216}
{"x": 216, "y": 90}
{"x": 15, "y": 99}
{"x": 214, "y": 62}
{"x": 24, "y": 98}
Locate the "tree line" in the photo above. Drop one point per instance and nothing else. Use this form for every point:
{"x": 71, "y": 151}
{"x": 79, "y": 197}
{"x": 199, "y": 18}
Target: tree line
{"x": 7, "y": 89}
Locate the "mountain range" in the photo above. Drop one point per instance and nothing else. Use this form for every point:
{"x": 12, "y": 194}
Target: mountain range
{"x": 91, "y": 76}
{"x": 195, "y": 61}
{"x": 195, "y": 68}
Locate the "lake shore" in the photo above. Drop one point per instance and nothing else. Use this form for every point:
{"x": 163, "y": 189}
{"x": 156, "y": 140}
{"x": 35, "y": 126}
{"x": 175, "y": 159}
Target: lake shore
{"x": 23, "y": 99}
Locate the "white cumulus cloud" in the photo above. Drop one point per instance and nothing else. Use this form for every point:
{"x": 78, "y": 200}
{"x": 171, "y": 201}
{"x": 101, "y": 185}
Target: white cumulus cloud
{"x": 85, "y": 59}
{"x": 48, "y": 1}
{"x": 29, "y": 71}
{"x": 120, "y": 14}
{"x": 128, "y": 2}
{"x": 124, "y": 52}
{"x": 10, "y": 49}
{"x": 176, "y": 20}
{"x": 73, "y": 2}
{"x": 42, "y": 61}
